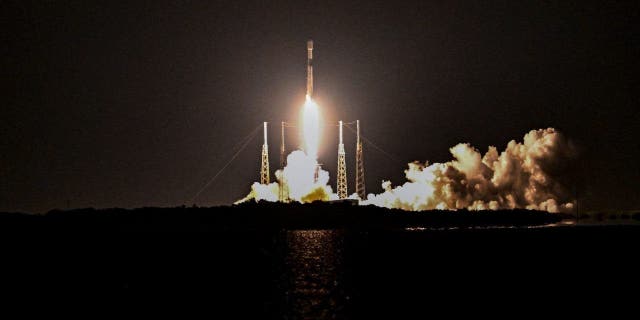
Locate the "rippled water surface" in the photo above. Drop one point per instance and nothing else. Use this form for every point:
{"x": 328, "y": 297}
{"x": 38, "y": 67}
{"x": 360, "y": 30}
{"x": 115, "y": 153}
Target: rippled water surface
{"x": 314, "y": 273}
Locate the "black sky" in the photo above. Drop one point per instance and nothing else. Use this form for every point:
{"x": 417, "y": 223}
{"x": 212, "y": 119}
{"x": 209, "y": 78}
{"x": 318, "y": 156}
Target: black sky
{"x": 134, "y": 104}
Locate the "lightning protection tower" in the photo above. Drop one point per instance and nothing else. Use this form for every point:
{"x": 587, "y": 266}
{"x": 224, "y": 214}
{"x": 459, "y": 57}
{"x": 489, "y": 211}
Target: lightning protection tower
{"x": 342, "y": 169}
{"x": 360, "y": 190}
{"x": 284, "y": 188}
{"x": 264, "y": 168}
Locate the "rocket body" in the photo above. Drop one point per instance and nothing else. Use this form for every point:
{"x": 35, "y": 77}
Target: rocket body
{"x": 265, "y": 133}
{"x": 309, "y": 68}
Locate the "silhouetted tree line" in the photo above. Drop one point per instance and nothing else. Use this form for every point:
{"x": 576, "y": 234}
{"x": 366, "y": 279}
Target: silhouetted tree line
{"x": 265, "y": 215}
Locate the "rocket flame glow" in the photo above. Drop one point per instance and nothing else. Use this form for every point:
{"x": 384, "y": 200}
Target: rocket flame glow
{"x": 311, "y": 127}
{"x": 524, "y": 175}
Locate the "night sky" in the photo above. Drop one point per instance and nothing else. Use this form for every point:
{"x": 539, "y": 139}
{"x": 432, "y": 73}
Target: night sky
{"x": 134, "y": 104}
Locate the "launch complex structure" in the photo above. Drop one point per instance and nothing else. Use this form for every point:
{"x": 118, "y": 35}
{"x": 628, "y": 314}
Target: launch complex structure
{"x": 341, "y": 184}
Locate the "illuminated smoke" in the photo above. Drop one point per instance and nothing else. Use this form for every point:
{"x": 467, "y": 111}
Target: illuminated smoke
{"x": 266, "y": 192}
{"x": 522, "y": 176}
{"x": 299, "y": 174}
{"x": 300, "y": 171}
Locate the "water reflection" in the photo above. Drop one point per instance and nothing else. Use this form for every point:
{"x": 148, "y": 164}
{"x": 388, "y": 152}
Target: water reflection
{"x": 314, "y": 273}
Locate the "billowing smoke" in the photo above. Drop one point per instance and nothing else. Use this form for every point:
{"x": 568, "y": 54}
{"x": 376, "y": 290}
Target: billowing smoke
{"x": 299, "y": 175}
{"x": 524, "y": 175}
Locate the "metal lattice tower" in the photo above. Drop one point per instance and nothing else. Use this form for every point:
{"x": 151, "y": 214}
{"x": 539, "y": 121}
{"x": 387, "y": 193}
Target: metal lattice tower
{"x": 283, "y": 195}
{"x": 264, "y": 168}
{"x": 342, "y": 169}
{"x": 360, "y": 189}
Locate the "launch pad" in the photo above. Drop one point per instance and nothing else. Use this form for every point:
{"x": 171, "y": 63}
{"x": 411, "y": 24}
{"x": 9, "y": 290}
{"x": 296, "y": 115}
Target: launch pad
{"x": 310, "y": 130}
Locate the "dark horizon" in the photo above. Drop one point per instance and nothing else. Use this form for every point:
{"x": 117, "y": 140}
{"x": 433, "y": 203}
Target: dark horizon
{"x": 139, "y": 104}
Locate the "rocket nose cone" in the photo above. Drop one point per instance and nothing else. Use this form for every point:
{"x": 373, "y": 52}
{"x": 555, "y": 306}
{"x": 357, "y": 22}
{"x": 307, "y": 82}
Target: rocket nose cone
{"x": 310, "y": 45}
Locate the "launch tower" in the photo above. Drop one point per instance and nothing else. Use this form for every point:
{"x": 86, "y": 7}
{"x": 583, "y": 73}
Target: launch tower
{"x": 264, "y": 168}
{"x": 342, "y": 169}
{"x": 360, "y": 189}
{"x": 283, "y": 195}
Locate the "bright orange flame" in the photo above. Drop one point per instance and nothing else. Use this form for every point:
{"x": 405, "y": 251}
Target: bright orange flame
{"x": 311, "y": 127}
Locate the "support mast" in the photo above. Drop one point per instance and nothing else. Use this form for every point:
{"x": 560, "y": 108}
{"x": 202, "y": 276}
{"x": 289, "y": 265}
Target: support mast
{"x": 360, "y": 186}
{"x": 264, "y": 167}
{"x": 342, "y": 169}
{"x": 283, "y": 195}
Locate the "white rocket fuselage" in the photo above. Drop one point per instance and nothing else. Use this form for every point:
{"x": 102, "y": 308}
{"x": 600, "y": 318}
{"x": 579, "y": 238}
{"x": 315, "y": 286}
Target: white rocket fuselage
{"x": 309, "y": 68}
{"x": 265, "y": 133}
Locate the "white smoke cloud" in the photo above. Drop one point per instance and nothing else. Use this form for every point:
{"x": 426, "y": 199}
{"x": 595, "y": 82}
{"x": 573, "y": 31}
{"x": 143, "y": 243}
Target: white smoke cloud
{"x": 522, "y": 176}
{"x": 299, "y": 175}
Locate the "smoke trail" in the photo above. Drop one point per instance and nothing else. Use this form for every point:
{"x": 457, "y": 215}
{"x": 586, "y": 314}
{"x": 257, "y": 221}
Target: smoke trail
{"x": 522, "y": 176}
{"x": 299, "y": 176}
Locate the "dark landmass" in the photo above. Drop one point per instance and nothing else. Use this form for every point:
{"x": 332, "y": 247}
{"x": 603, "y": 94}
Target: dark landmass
{"x": 268, "y": 261}
{"x": 611, "y": 215}
{"x": 265, "y": 215}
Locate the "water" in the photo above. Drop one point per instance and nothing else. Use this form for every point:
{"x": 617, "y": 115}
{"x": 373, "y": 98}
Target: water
{"x": 314, "y": 274}
{"x": 352, "y": 274}
{"x": 337, "y": 273}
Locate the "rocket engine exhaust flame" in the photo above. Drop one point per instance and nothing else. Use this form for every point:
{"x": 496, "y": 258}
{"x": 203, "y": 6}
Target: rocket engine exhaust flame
{"x": 310, "y": 114}
{"x": 311, "y": 127}
{"x": 305, "y": 179}
{"x": 524, "y": 175}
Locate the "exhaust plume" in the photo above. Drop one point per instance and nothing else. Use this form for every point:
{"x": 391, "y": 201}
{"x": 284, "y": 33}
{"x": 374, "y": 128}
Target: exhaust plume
{"x": 522, "y": 176}
{"x": 525, "y": 175}
{"x": 299, "y": 174}
{"x": 311, "y": 127}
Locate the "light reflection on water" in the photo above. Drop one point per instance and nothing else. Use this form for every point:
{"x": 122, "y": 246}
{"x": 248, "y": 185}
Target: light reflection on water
{"x": 567, "y": 222}
{"x": 314, "y": 263}
{"x": 563, "y": 223}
